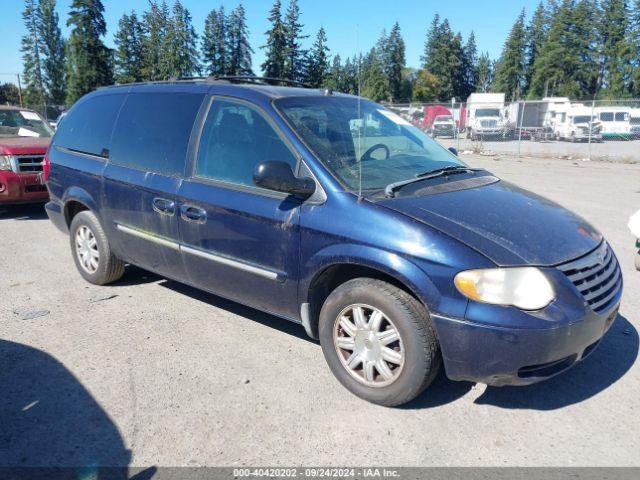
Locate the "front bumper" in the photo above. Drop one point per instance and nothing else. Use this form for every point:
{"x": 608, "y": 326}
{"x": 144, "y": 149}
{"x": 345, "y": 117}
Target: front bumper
{"x": 490, "y": 131}
{"x": 22, "y": 188}
{"x": 507, "y": 356}
{"x": 443, "y": 131}
{"x": 585, "y": 136}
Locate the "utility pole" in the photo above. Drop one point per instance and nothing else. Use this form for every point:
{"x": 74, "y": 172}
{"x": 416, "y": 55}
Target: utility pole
{"x": 19, "y": 90}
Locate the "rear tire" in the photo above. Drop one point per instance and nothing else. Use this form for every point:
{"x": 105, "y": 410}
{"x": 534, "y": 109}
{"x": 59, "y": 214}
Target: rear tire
{"x": 412, "y": 360}
{"x": 638, "y": 260}
{"x": 91, "y": 250}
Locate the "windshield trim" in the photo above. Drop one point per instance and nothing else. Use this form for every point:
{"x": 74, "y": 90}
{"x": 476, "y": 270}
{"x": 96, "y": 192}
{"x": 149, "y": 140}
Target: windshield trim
{"x": 345, "y": 187}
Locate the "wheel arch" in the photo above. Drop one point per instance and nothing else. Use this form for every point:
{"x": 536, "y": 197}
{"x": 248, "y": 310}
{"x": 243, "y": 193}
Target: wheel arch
{"x": 330, "y": 273}
{"x": 76, "y": 200}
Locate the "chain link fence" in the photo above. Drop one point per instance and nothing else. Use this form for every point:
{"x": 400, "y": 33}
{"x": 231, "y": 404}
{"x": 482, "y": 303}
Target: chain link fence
{"x": 555, "y": 127}
{"x": 11, "y": 94}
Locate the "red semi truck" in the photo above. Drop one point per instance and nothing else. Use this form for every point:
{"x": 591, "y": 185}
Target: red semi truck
{"x": 24, "y": 139}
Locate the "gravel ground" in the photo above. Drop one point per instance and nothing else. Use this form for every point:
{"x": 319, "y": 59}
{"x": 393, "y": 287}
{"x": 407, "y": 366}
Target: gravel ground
{"x": 620, "y": 150}
{"x": 162, "y": 374}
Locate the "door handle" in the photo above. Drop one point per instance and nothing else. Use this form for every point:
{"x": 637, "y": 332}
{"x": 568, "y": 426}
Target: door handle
{"x": 164, "y": 206}
{"x": 193, "y": 214}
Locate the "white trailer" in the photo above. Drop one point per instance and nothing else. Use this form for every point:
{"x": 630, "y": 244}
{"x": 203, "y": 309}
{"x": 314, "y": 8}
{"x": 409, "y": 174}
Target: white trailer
{"x": 615, "y": 122}
{"x": 486, "y": 116}
{"x": 634, "y": 122}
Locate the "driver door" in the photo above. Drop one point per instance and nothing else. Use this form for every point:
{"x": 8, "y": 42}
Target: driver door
{"x": 238, "y": 240}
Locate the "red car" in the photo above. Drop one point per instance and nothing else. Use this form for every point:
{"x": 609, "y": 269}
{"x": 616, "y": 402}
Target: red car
{"x": 24, "y": 139}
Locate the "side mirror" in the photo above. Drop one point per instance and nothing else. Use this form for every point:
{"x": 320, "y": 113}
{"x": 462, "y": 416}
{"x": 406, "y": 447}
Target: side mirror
{"x": 454, "y": 150}
{"x": 279, "y": 176}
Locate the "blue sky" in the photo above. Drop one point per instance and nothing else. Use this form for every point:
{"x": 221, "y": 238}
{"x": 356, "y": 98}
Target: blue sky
{"x": 351, "y": 25}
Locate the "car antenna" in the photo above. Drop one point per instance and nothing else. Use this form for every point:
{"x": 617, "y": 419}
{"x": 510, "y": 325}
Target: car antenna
{"x": 360, "y": 127}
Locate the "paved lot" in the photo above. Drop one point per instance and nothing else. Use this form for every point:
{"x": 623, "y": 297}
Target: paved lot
{"x": 164, "y": 375}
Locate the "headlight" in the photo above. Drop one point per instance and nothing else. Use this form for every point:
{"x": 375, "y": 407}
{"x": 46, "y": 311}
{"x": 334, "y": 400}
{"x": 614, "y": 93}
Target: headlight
{"x": 523, "y": 287}
{"x": 5, "y": 162}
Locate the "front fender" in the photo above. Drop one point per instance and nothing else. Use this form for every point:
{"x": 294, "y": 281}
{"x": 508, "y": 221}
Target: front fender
{"x": 392, "y": 264}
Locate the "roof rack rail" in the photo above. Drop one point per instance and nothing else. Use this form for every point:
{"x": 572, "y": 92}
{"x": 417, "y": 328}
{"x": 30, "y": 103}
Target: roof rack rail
{"x": 238, "y": 79}
{"x": 259, "y": 80}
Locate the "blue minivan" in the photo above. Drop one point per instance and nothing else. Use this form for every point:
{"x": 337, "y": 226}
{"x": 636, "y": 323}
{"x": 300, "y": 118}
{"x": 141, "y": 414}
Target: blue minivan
{"x": 331, "y": 211}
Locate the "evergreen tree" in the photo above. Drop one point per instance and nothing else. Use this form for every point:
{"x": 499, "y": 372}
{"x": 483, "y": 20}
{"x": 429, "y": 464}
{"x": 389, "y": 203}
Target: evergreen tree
{"x": 394, "y": 61}
{"x": 567, "y": 65}
{"x": 318, "y": 62}
{"x": 469, "y": 67}
{"x": 32, "y": 50}
{"x": 89, "y": 60}
{"x": 214, "y": 42}
{"x": 350, "y": 76}
{"x": 485, "y": 74}
{"x": 511, "y": 67}
{"x": 443, "y": 58}
{"x": 536, "y": 35}
{"x": 335, "y": 77}
{"x": 129, "y": 53}
{"x": 273, "y": 65}
{"x": 182, "y": 42}
{"x": 53, "y": 53}
{"x": 374, "y": 83}
{"x": 156, "y": 22}
{"x": 295, "y": 55}
{"x": 238, "y": 48}
{"x": 616, "y": 50}
{"x": 634, "y": 46}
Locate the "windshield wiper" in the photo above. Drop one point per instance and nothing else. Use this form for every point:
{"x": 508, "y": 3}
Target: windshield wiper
{"x": 390, "y": 189}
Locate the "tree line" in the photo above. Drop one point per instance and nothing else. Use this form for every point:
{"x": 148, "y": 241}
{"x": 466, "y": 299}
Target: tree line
{"x": 575, "y": 48}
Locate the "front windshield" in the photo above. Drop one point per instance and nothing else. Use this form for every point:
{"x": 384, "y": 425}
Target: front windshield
{"x": 351, "y": 136}
{"x": 444, "y": 118}
{"x": 23, "y": 123}
{"x": 582, "y": 119}
{"x": 487, "y": 112}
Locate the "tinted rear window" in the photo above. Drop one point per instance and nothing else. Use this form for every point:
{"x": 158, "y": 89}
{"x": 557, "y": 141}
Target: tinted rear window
{"x": 88, "y": 126}
{"x": 153, "y": 131}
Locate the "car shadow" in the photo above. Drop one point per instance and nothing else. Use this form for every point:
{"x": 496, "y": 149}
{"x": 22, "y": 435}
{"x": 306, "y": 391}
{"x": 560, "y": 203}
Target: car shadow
{"x": 49, "y": 423}
{"x": 615, "y": 355}
{"x": 291, "y": 328}
{"x": 30, "y": 211}
{"x": 134, "y": 275}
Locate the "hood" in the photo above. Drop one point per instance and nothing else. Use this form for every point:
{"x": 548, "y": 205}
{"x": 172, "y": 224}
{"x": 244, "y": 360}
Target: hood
{"x": 507, "y": 224}
{"x": 23, "y": 145}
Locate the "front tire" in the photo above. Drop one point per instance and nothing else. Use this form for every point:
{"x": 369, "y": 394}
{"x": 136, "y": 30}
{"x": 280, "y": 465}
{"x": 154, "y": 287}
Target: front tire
{"x": 638, "y": 260}
{"x": 379, "y": 341}
{"x": 91, "y": 250}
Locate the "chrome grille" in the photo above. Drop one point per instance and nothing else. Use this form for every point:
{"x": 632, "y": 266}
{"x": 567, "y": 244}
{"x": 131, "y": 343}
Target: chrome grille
{"x": 29, "y": 163}
{"x": 597, "y": 276}
{"x": 489, "y": 123}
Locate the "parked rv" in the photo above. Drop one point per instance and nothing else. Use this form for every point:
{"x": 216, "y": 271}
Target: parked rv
{"x": 485, "y": 116}
{"x": 634, "y": 122}
{"x": 615, "y": 122}
{"x": 577, "y": 124}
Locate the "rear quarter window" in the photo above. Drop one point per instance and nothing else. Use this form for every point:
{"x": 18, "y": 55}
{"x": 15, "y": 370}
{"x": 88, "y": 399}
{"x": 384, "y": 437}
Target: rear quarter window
{"x": 88, "y": 125}
{"x": 153, "y": 131}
